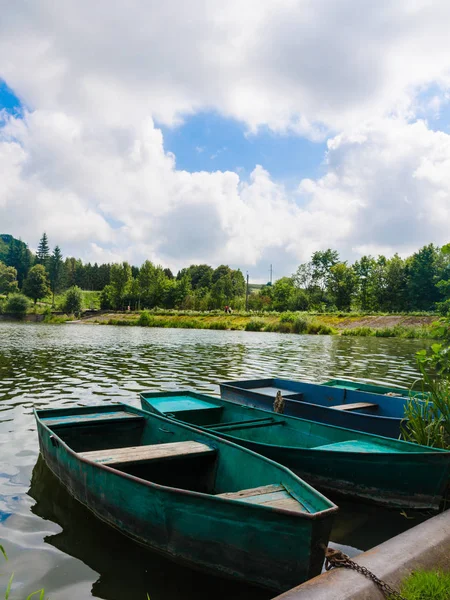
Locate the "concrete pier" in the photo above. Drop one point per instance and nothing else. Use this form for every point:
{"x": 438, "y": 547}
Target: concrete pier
{"x": 426, "y": 546}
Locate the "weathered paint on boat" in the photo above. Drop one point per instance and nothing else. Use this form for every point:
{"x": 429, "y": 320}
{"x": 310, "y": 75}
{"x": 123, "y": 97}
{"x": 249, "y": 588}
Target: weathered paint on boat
{"x": 318, "y": 403}
{"x": 358, "y": 465}
{"x": 172, "y": 505}
{"x": 361, "y": 386}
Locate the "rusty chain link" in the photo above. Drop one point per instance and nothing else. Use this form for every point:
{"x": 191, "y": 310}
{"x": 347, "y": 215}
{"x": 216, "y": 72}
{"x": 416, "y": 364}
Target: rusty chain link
{"x": 336, "y": 558}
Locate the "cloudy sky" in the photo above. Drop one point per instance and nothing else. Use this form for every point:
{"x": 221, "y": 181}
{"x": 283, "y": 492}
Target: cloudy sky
{"x": 245, "y": 132}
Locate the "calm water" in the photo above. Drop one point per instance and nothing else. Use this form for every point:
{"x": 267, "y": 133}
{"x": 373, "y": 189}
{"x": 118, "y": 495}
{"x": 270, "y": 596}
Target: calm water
{"x": 55, "y": 543}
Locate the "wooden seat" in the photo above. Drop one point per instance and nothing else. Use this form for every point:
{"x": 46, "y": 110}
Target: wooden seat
{"x": 355, "y": 406}
{"x": 116, "y": 415}
{"x": 275, "y": 496}
{"x": 153, "y": 452}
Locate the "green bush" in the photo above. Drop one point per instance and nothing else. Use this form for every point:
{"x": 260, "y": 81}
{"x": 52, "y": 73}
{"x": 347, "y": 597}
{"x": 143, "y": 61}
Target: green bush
{"x": 300, "y": 325}
{"x": 145, "y": 319}
{"x": 17, "y": 304}
{"x": 254, "y": 325}
{"x": 73, "y": 301}
{"x": 221, "y": 325}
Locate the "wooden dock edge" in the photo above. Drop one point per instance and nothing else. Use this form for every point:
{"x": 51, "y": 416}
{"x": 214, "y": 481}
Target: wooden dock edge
{"x": 426, "y": 546}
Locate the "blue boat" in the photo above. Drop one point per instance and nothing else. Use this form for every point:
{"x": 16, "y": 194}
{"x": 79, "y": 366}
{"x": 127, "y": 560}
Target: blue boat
{"x": 361, "y": 386}
{"x": 361, "y": 410}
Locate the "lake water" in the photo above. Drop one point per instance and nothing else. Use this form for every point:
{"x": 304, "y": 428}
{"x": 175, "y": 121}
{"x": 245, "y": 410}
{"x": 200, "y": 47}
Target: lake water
{"x": 54, "y": 542}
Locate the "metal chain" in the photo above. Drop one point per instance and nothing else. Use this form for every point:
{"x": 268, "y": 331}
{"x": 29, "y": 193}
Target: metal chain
{"x": 336, "y": 558}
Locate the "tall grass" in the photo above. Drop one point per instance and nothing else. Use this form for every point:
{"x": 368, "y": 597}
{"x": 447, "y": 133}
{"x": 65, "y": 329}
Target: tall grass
{"x": 426, "y": 585}
{"x": 429, "y": 422}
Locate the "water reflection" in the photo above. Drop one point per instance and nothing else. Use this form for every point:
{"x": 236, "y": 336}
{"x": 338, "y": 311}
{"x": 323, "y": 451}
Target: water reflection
{"x": 55, "y": 542}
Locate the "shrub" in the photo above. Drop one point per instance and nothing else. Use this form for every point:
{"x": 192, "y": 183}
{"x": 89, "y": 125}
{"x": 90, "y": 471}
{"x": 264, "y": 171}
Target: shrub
{"x": 221, "y": 325}
{"x": 300, "y": 325}
{"x": 254, "y": 325}
{"x": 17, "y": 304}
{"x": 145, "y": 319}
{"x": 73, "y": 301}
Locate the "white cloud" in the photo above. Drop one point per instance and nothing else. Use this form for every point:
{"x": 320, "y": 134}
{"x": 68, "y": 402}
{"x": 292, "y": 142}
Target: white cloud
{"x": 88, "y": 165}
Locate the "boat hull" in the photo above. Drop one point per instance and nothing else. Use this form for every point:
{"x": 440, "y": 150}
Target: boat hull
{"x": 269, "y": 548}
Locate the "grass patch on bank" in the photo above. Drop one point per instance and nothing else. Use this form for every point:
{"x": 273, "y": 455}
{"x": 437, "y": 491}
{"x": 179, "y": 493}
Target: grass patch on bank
{"x": 426, "y": 585}
{"x": 390, "y": 326}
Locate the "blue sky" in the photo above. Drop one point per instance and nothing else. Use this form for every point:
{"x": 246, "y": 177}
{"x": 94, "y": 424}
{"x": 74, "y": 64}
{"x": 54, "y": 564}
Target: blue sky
{"x": 210, "y": 142}
{"x": 8, "y": 100}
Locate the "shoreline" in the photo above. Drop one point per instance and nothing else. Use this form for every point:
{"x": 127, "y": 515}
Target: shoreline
{"x": 399, "y": 326}
{"x": 404, "y": 326}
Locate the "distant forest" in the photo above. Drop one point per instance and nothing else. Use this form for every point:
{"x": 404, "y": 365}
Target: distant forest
{"x": 420, "y": 282}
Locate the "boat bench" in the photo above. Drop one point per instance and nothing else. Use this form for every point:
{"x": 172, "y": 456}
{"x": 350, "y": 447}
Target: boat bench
{"x": 85, "y": 418}
{"x": 153, "y": 452}
{"x": 355, "y": 406}
{"x": 275, "y": 496}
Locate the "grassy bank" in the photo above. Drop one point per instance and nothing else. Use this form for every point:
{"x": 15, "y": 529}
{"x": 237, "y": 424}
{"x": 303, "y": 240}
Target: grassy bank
{"x": 346, "y": 324}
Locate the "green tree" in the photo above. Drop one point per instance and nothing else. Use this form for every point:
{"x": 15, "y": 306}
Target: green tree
{"x": 395, "y": 296}
{"x": 364, "y": 269}
{"x": 120, "y": 282}
{"x": 8, "y": 279}
{"x": 43, "y": 251}
{"x": 422, "y": 278}
{"x": 282, "y": 293}
{"x": 342, "y": 282}
{"x": 73, "y": 301}
{"x": 321, "y": 262}
{"x": 36, "y": 284}
{"x": 56, "y": 271}
{"x": 17, "y": 304}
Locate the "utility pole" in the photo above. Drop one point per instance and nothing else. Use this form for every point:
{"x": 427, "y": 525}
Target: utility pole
{"x": 271, "y": 274}
{"x": 246, "y": 295}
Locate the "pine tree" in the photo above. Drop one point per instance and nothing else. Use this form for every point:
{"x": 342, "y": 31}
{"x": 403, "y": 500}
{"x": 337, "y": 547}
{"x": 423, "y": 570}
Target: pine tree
{"x": 43, "y": 251}
{"x": 56, "y": 271}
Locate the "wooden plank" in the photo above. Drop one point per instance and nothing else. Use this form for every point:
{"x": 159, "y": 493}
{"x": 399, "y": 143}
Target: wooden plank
{"x": 87, "y": 417}
{"x": 148, "y": 453}
{"x": 275, "y": 496}
{"x": 265, "y": 489}
{"x": 355, "y": 406}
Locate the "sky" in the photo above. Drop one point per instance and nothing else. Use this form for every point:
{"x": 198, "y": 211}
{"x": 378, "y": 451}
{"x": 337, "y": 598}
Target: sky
{"x": 243, "y": 133}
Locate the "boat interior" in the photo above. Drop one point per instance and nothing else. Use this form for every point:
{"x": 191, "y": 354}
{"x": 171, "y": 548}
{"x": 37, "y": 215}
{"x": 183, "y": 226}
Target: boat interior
{"x": 256, "y": 425}
{"x": 156, "y": 450}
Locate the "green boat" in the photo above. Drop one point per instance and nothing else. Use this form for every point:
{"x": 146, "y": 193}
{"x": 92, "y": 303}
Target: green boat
{"x": 336, "y": 460}
{"x": 188, "y": 494}
{"x": 371, "y": 388}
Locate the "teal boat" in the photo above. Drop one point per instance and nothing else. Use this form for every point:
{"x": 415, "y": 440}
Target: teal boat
{"x": 371, "y": 388}
{"x": 188, "y": 494}
{"x": 336, "y": 460}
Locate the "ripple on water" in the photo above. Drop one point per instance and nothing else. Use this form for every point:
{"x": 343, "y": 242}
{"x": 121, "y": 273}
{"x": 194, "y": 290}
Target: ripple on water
{"x": 53, "y": 541}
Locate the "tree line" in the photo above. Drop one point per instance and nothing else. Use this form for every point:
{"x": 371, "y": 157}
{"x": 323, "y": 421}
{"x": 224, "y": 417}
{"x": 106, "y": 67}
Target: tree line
{"x": 420, "y": 282}
{"x": 198, "y": 287}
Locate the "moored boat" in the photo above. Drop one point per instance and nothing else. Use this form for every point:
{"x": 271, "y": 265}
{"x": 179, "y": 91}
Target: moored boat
{"x": 336, "y": 460}
{"x": 341, "y": 406}
{"x": 371, "y": 388}
{"x": 189, "y": 494}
